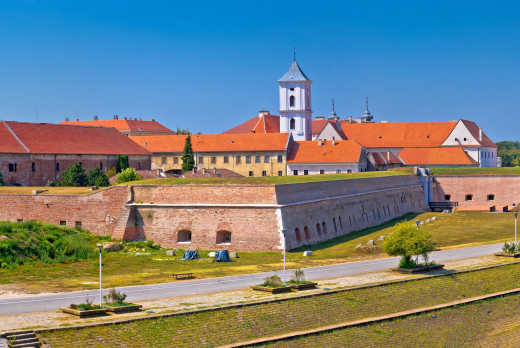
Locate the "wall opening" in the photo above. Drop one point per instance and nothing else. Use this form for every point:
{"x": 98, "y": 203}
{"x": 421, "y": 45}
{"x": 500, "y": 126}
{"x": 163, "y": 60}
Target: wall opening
{"x": 297, "y": 234}
{"x": 469, "y": 197}
{"x": 223, "y": 237}
{"x": 184, "y": 236}
{"x": 491, "y": 197}
{"x": 292, "y": 124}
{"x": 324, "y": 227}
{"x": 307, "y": 233}
{"x": 291, "y": 101}
{"x": 318, "y": 228}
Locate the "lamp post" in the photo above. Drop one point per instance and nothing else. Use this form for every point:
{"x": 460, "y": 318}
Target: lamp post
{"x": 100, "y": 247}
{"x": 284, "y": 230}
{"x": 516, "y": 220}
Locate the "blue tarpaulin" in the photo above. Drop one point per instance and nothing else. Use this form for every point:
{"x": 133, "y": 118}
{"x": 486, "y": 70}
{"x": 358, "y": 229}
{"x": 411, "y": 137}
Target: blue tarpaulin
{"x": 222, "y": 256}
{"x": 190, "y": 255}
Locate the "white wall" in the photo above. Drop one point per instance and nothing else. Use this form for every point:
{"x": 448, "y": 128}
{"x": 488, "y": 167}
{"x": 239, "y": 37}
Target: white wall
{"x": 329, "y": 168}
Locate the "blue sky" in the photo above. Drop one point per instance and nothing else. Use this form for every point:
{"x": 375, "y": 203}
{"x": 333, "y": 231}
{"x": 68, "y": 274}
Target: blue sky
{"x": 208, "y": 66}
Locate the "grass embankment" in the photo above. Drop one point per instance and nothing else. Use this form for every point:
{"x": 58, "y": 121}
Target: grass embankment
{"x": 49, "y": 190}
{"x": 269, "y": 180}
{"x": 226, "y": 326}
{"x": 476, "y": 171}
{"x": 153, "y": 266}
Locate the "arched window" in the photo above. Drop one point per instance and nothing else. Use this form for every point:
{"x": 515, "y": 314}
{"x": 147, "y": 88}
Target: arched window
{"x": 292, "y": 124}
{"x": 297, "y": 233}
{"x": 291, "y": 101}
{"x": 184, "y": 236}
{"x": 307, "y": 233}
{"x": 318, "y": 228}
{"x": 223, "y": 237}
{"x": 324, "y": 227}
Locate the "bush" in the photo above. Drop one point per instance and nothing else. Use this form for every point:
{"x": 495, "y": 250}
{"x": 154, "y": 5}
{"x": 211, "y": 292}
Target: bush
{"x": 187, "y": 158}
{"x": 114, "y": 296}
{"x": 407, "y": 241}
{"x": 121, "y": 163}
{"x": 111, "y": 172}
{"x": 127, "y": 175}
{"x": 299, "y": 276}
{"x": 1, "y": 179}
{"x": 407, "y": 263}
{"x": 510, "y": 248}
{"x": 96, "y": 177}
{"x": 273, "y": 282}
{"x": 73, "y": 176}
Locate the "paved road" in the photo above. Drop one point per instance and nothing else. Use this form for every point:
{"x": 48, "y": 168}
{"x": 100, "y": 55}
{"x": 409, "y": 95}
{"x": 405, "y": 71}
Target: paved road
{"x": 154, "y": 291}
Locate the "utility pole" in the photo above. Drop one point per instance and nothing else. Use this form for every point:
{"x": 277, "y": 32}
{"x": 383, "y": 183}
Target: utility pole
{"x": 100, "y": 247}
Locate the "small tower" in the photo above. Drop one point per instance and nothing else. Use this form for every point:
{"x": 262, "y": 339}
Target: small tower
{"x": 367, "y": 116}
{"x": 295, "y": 103}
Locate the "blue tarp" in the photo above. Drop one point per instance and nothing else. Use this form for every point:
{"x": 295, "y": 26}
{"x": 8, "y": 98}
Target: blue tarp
{"x": 222, "y": 256}
{"x": 190, "y": 255}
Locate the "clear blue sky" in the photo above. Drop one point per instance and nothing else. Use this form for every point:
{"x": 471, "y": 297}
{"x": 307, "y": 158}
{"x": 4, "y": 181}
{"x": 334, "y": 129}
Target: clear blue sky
{"x": 208, "y": 66}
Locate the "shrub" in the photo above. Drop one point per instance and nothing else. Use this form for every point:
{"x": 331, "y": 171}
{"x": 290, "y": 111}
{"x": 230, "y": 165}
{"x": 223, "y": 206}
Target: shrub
{"x": 127, "y": 175}
{"x": 73, "y": 176}
{"x": 187, "y": 158}
{"x": 1, "y": 179}
{"x": 121, "y": 163}
{"x": 510, "y": 248}
{"x": 96, "y": 177}
{"x": 299, "y": 276}
{"x": 273, "y": 282}
{"x": 115, "y": 297}
{"x": 111, "y": 172}
{"x": 407, "y": 241}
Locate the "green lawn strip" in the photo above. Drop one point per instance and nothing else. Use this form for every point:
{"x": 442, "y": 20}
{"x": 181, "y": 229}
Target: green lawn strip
{"x": 243, "y": 323}
{"x": 476, "y": 171}
{"x": 491, "y": 323}
{"x": 121, "y": 268}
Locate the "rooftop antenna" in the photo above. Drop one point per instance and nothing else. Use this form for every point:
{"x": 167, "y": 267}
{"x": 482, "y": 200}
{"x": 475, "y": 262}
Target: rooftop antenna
{"x": 367, "y": 113}
{"x": 294, "y": 54}
{"x": 333, "y": 112}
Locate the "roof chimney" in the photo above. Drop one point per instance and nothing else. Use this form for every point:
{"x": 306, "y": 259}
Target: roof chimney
{"x": 333, "y": 142}
{"x": 67, "y": 119}
{"x": 126, "y": 118}
{"x": 116, "y": 117}
{"x": 96, "y": 118}
{"x": 263, "y": 113}
{"x": 479, "y": 133}
{"x": 77, "y": 120}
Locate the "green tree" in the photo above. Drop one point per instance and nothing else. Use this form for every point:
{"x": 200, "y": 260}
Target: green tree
{"x": 408, "y": 241}
{"x": 129, "y": 174}
{"x": 96, "y": 177}
{"x": 187, "y": 158}
{"x": 74, "y": 176}
{"x": 121, "y": 163}
{"x": 1, "y": 179}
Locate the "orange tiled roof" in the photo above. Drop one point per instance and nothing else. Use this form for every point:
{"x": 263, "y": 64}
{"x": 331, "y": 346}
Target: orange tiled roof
{"x": 262, "y": 124}
{"x": 436, "y": 156}
{"x": 378, "y": 159}
{"x": 344, "y": 151}
{"x": 123, "y": 125}
{"x": 8, "y": 143}
{"x": 214, "y": 142}
{"x": 47, "y": 138}
{"x": 396, "y": 135}
{"x": 474, "y": 130}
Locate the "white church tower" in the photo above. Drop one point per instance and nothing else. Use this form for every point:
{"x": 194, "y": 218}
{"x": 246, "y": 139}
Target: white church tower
{"x": 295, "y": 103}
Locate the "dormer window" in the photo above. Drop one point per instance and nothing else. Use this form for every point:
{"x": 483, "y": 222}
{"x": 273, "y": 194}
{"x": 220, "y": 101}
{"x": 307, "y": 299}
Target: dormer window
{"x": 291, "y": 101}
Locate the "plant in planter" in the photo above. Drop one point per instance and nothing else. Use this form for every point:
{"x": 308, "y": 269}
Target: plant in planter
{"x": 273, "y": 284}
{"x": 84, "y": 309}
{"x": 115, "y": 302}
{"x": 298, "y": 281}
{"x": 510, "y": 249}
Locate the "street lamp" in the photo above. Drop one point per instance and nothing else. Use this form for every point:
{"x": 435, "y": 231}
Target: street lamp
{"x": 516, "y": 220}
{"x": 284, "y": 230}
{"x": 100, "y": 247}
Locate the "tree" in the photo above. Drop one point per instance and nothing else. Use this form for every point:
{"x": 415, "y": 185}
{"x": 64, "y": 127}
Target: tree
{"x": 187, "y": 158}
{"x": 96, "y": 177}
{"x": 407, "y": 241}
{"x": 74, "y": 176}
{"x": 129, "y": 174}
{"x": 1, "y": 179}
{"x": 121, "y": 163}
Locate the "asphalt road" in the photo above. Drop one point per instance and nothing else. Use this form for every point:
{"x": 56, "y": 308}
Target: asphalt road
{"x": 192, "y": 287}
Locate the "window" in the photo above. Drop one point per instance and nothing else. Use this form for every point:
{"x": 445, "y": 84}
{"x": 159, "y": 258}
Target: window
{"x": 264, "y": 172}
{"x": 350, "y": 171}
{"x": 12, "y": 167}
{"x": 305, "y": 172}
{"x": 338, "y": 171}
{"x": 291, "y": 101}
{"x": 201, "y": 159}
{"x": 226, "y": 159}
{"x": 213, "y": 159}
{"x": 280, "y": 173}
{"x": 291, "y": 89}
{"x": 267, "y": 158}
{"x": 324, "y": 227}
{"x": 63, "y": 223}
{"x": 340, "y": 223}
{"x": 163, "y": 160}
{"x": 318, "y": 228}
{"x": 336, "y": 226}
{"x": 33, "y": 167}
{"x": 223, "y": 237}
{"x": 491, "y": 197}
{"x": 100, "y": 166}
{"x": 280, "y": 159}
{"x": 295, "y": 172}
{"x": 138, "y": 165}
{"x": 238, "y": 159}
{"x": 184, "y": 236}
{"x": 250, "y": 173}
{"x": 292, "y": 124}
{"x": 57, "y": 166}
{"x": 77, "y": 224}
{"x": 19, "y": 220}
{"x": 257, "y": 159}
{"x": 465, "y": 139}
{"x": 297, "y": 234}
{"x": 248, "y": 159}
{"x": 175, "y": 160}
{"x": 322, "y": 171}
{"x": 307, "y": 233}
{"x": 469, "y": 197}
{"x": 447, "y": 197}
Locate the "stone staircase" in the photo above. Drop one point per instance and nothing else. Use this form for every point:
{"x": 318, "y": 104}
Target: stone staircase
{"x": 21, "y": 339}
{"x": 122, "y": 220}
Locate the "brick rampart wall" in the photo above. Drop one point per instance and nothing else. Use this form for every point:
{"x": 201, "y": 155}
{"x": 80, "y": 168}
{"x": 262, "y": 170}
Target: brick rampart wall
{"x": 505, "y": 190}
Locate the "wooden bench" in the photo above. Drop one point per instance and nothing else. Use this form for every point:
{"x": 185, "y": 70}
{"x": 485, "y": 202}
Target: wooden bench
{"x": 183, "y": 275}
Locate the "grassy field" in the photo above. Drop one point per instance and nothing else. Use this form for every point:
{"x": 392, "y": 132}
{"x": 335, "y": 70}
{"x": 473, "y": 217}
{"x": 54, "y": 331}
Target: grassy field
{"x": 49, "y": 190}
{"x": 475, "y": 171}
{"x": 209, "y": 329}
{"x": 270, "y": 180}
{"x": 152, "y": 266}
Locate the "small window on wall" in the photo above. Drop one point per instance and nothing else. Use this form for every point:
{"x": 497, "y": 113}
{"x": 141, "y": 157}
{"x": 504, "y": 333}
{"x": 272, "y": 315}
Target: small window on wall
{"x": 292, "y": 124}
{"x": 12, "y": 167}
{"x": 297, "y": 234}
{"x": 267, "y": 158}
{"x": 447, "y": 197}
{"x": 77, "y": 224}
{"x": 201, "y": 159}
{"x": 33, "y": 167}
{"x": 213, "y": 160}
{"x": 163, "y": 160}
{"x": 63, "y": 223}
{"x": 295, "y": 172}
{"x": 223, "y": 237}
{"x": 184, "y": 236}
{"x": 264, "y": 172}
{"x": 491, "y": 197}
{"x": 338, "y": 171}
{"x": 280, "y": 173}
{"x": 250, "y": 173}
{"x": 257, "y": 159}
{"x": 307, "y": 233}
{"x": 280, "y": 158}
{"x": 322, "y": 171}
{"x": 100, "y": 165}
{"x": 291, "y": 101}
{"x": 318, "y": 228}
{"x": 238, "y": 159}
{"x": 469, "y": 197}
{"x": 175, "y": 160}
{"x": 57, "y": 166}
{"x": 248, "y": 159}
{"x": 19, "y": 220}
{"x": 305, "y": 172}
{"x": 226, "y": 159}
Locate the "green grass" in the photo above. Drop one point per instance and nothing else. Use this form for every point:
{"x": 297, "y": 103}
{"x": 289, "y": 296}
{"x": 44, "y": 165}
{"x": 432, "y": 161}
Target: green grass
{"x": 476, "y": 171}
{"x": 207, "y": 329}
{"x": 49, "y": 190}
{"x": 153, "y": 266}
{"x": 269, "y": 180}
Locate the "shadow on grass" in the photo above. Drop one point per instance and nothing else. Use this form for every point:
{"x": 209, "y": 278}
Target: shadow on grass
{"x": 356, "y": 234}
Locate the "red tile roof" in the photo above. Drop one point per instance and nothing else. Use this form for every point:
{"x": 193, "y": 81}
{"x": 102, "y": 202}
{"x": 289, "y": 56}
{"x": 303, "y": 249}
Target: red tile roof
{"x": 474, "y": 130}
{"x": 214, "y": 142}
{"x": 436, "y": 156}
{"x": 262, "y": 124}
{"x": 378, "y": 159}
{"x": 47, "y": 138}
{"x": 123, "y": 125}
{"x": 9, "y": 143}
{"x": 344, "y": 151}
{"x": 395, "y": 135}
